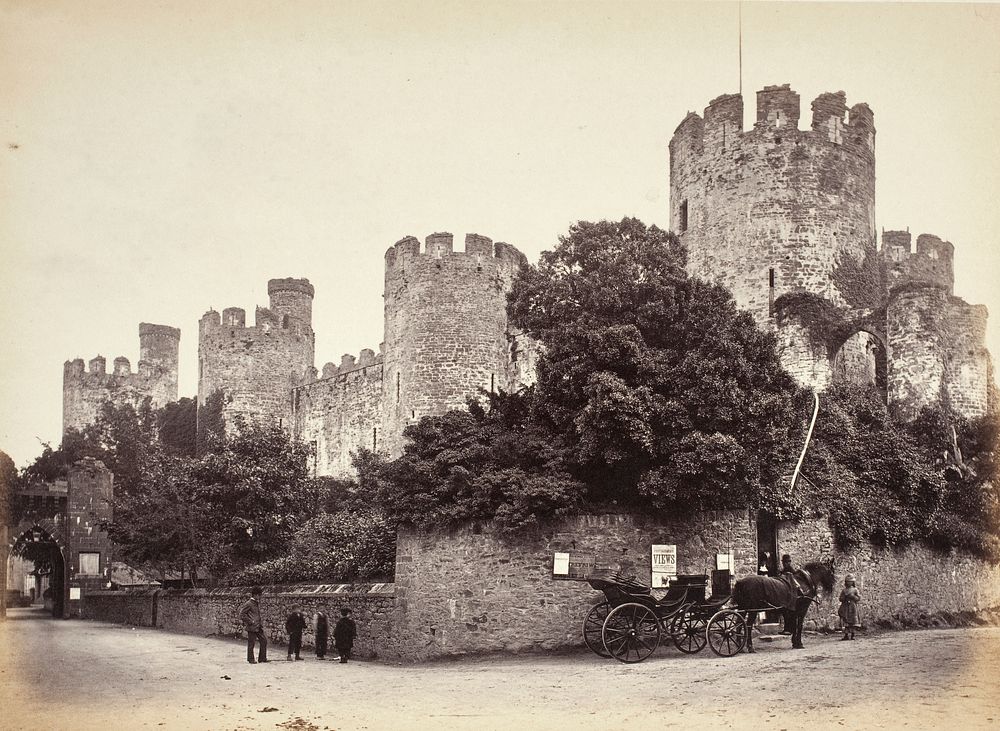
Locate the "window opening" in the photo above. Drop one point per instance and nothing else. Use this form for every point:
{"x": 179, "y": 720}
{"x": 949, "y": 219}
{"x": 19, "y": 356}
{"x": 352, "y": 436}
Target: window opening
{"x": 683, "y": 224}
{"x": 770, "y": 292}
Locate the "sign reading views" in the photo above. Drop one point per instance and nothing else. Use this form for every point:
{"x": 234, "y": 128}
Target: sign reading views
{"x": 664, "y": 563}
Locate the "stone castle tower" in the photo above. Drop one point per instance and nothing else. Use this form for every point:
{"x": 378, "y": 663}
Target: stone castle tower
{"x": 446, "y": 336}
{"x": 85, "y": 390}
{"x": 785, "y": 219}
{"x": 257, "y": 367}
{"x": 445, "y": 326}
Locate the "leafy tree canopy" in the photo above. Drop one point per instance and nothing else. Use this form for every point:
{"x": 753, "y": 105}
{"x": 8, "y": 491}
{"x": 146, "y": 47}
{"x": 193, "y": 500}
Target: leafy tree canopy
{"x": 672, "y": 396}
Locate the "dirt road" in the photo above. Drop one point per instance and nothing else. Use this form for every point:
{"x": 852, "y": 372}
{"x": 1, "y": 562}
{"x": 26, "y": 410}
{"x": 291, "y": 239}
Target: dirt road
{"x": 87, "y": 675}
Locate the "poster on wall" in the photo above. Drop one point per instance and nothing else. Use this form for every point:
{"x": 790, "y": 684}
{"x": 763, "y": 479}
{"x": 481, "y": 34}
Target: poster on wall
{"x": 572, "y": 566}
{"x": 664, "y": 564}
{"x": 74, "y": 592}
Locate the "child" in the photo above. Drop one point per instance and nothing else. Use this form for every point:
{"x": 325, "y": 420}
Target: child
{"x": 344, "y": 634}
{"x": 294, "y": 625}
{"x": 848, "y": 612}
{"x": 322, "y": 635}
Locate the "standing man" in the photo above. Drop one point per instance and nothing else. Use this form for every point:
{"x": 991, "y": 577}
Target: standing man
{"x": 344, "y": 634}
{"x": 254, "y": 626}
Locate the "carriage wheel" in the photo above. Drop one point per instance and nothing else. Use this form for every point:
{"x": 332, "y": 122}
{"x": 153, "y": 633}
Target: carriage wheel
{"x": 727, "y": 632}
{"x": 688, "y": 632}
{"x": 593, "y": 626}
{"x": 631, "y": 632}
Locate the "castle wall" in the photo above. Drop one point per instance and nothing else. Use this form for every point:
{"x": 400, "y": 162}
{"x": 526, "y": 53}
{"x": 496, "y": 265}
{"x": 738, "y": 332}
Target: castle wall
{"x": 776, "y": 209}
{"x": 341, "y": 413}
{"x": 936, "y": 341}
{"x": 87, "y": 389}
{"x": 257, "y": 367}
{"x": 445, "y": 327}
{"x": 899, "y": 587}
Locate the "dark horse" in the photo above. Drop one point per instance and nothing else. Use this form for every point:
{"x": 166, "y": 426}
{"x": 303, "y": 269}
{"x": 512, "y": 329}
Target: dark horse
{"x": 781, "y": 592}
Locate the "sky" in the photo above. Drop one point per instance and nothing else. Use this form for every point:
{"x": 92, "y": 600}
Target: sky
{"x": 160, "y": 159}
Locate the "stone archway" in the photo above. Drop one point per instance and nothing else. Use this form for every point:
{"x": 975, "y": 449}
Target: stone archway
{"x": 42, "y": 541}
{"x": 860, "y": 359}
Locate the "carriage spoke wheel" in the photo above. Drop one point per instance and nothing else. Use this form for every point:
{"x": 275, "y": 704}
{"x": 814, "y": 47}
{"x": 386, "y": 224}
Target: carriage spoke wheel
{"x": 688, "y": 632}
{"x": 727, "y": 632}
{"x": 593, "y": 626}
{"x": 631, "y": 632}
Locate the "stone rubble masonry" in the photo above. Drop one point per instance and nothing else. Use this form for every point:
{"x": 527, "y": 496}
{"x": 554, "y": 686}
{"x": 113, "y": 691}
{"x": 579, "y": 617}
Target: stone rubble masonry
{"x": 86, "y": 390}
{"x": 777, "y": 210}
{"x": 468, "y": 591}
{"x": 899, "y": 587}
{"x": 937, "y": 342}
{"x": 258, "y": 367}
{"x": 341, "y": 412}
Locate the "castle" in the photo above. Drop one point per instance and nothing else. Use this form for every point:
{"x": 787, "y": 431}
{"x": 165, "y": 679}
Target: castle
{"x": 783, "y": 217}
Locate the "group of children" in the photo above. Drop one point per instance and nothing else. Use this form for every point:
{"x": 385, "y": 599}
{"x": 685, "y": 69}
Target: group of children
{"x": 343, "y": 634}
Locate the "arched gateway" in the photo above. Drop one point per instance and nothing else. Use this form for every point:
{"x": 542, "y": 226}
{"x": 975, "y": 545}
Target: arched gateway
{"x": 60, "y": 526}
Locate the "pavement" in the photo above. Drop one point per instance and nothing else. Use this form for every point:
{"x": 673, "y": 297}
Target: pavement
{"x": 74, "y": 674}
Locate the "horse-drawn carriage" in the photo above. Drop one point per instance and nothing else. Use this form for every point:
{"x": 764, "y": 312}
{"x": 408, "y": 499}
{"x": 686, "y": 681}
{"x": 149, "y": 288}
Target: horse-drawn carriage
{"x": 629, "y": 625}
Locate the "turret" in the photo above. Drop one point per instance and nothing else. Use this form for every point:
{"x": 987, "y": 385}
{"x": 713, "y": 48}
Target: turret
{"x": 291, "y": 298}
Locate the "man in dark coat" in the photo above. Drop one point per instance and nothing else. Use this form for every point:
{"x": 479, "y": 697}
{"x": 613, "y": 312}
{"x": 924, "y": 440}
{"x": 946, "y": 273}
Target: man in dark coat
{"x": 344, "y": 634}
{"x": 254, "y": 626}
{"x": 295, "y": 624}
{"x": 322, "y": 635}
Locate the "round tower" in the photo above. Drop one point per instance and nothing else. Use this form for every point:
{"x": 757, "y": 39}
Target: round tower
{"x": 445, "y": 327}
{"x": 158, "y": 347}
{"x": 776, "y": 209}
{"x": 292, "y": 298}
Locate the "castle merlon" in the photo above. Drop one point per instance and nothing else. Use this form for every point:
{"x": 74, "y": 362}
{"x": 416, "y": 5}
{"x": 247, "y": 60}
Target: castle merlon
{"x": 931, "y": 263}
{"x": 441, "y": 246}
{"x": 350, "y": 363}
{"x": 778, "y": 110}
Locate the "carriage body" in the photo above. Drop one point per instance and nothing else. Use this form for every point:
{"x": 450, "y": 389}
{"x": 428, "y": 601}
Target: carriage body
{"x": 629, "y": 624}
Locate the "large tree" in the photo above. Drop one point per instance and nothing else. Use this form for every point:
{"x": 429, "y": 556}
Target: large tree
{"x": 672, "y": 396}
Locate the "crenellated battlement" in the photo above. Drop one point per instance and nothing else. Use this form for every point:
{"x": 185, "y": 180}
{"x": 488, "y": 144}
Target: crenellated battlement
{"x": 778, "y": 113}
{"x": 258, "y": 366}
{"x": 86, "y": 388}
{"x": 350, "y": 363}
{"x": 931, "y": 264}
{"x": 440, "y": 247}
{"x": 290, "y": 284}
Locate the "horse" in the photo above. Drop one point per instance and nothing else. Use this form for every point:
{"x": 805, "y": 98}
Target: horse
{"x": 765, "y": 592}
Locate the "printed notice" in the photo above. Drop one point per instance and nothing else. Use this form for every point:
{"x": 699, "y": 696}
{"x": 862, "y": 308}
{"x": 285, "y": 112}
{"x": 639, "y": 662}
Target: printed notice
{"x": 664, "y": 564}
{"x": 560, "y": 564}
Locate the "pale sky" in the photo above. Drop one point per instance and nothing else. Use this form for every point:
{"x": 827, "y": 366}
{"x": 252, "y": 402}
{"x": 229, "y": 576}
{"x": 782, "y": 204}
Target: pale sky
{"x": 159, "y": 159}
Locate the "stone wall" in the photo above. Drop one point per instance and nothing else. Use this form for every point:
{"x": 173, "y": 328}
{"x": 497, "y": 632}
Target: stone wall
{"x": 469, "y": 591}
{"x": 901, "y": 587}
{"x": 937, "y": 351}
{"x": 341, "y": 412}
{"x": 87, "y": 389}
{"x": 258, "y": 367}
{"x": 216, "y": 612}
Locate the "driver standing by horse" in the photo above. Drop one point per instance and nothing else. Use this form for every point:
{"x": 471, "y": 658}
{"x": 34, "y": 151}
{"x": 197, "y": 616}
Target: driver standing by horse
{"x": 793, "y": 591}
